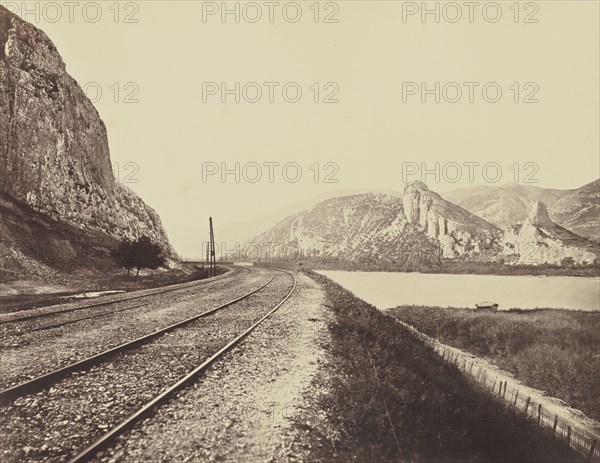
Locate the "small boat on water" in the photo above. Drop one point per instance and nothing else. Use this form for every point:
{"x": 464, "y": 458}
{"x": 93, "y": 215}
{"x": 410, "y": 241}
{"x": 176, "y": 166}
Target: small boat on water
{"x": 486, "y": 305}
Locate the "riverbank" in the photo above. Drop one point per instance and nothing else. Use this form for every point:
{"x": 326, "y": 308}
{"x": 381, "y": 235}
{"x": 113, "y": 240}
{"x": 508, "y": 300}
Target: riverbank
{"x": 552, "y": 350}
{"x": 390, "y": 397}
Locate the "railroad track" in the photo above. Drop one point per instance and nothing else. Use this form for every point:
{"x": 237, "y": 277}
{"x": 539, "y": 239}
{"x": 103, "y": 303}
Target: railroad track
{"x": 149, "y": 407}
{"x": 168, "y": 289}
{"x": 48, "y": 379}
{"x": 147, "y": 359}
{"x": 24, "y": 330}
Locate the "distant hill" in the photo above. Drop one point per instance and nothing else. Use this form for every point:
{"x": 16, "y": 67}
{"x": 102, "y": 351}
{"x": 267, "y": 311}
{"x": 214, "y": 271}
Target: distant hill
{"x": 576, "y": 210}
{"x": 381, "y": 226}
{"x": 538, "y": 240}
{"x": 242, "y": 231}
{"x": 579, "y": 210}
{"x": 420, "y": 226}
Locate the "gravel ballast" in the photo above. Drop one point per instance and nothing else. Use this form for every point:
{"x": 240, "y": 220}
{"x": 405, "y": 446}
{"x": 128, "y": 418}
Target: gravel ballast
{"x": 249, "y": 406}
{"x": 31, "y": 354}
{"x": 54, "y": 424}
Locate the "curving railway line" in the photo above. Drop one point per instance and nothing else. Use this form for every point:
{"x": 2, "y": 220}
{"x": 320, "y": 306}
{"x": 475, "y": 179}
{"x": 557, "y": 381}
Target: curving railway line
{"x": 147, "y": 293}
{"x": 25, "y": 324}
{"x": 134, "y": 377}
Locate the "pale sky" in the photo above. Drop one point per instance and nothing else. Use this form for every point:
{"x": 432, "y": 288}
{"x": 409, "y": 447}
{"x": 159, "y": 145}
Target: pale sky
{"x": 368, "y": 56}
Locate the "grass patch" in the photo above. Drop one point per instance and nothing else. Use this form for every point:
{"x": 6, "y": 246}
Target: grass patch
{"x": 381, "y": 373}
{"x": 556, "y": 351}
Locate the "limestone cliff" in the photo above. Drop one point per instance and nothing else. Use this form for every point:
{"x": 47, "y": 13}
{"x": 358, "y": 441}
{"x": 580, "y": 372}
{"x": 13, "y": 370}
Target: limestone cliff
{"x": 458, "y": 231}
{"x": 420, "y": 226}
{"x": 538, "y": 240}
{"x": 54, "y": 154}
{"x": 357, "y": 227}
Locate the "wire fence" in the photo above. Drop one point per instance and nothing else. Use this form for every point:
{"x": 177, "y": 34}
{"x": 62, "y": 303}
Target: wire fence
{"x": 580, "y": 439}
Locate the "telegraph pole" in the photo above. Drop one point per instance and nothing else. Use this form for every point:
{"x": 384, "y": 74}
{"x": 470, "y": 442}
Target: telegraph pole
{"x": 207, "y": 253}
{"x": 213, "y": 261}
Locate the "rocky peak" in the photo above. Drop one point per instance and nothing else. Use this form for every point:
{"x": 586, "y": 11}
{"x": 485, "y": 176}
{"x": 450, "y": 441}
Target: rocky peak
{"x": 538, "y": 240}
{"x": 539, "y": 216}
{"x": 388, "y": 227}
{"x": 416, "y": 186}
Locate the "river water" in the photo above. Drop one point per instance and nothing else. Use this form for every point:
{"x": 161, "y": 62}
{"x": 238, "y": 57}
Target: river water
{"x": 385, "y": 290}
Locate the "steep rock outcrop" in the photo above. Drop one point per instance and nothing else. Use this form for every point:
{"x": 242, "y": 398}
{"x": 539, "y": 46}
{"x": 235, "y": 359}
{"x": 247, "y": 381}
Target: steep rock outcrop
{"x": 538, "y": 240}
{"x": 458, "y": 231}
{"x": 505, "y": 205}
{"x": 54, "y": 154}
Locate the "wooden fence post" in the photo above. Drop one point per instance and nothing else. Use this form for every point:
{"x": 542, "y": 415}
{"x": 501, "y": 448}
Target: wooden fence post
{"x": 516, "y": 397}
{"x": 592, "y": 449}
{"x": 527, "y": 405}
{"x": 569, "y": 435}
{"x": 504, "y": 395}
{"x": 539, "y": 413}
{"x": 555, "y": 424}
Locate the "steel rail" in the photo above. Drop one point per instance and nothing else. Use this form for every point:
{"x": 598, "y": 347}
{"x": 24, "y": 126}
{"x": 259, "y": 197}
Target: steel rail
{"x": 96, "y": 315}
{"x": 46, "y": 380}
{"x": 75, "y": 320}
{"x": 104, "y": 441}
{"x": 180, "y": 286}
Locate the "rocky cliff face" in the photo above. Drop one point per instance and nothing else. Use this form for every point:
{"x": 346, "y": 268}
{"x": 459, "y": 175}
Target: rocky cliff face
{"x": 503, "y": 205}
{"x": 353, "y": 227}
{"x": 54, "y": 154}
{"x": 458, "y": 231}
{"x": 538, "y": 240}
{"x": 420, "y": 225}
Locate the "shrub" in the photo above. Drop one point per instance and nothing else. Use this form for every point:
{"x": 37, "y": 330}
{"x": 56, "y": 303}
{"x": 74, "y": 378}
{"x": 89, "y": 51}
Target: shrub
{"x": 138, "y": 254}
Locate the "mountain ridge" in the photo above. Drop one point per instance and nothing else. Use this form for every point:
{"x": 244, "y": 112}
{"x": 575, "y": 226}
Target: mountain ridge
{"x": 376, "y": 226}
{"x": 420, "y": 224}
{"x": 577, "y": 209}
